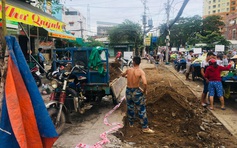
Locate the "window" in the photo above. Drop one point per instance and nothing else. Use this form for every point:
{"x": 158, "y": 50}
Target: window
{"x": 233, "y": 2}
{"x": 209, "y": 12}
{"x": 232, "y": 8}
{"x": 71, "y": 23}
{"x": 214, "y": 1}
{"x": 214, "y": 6}
{"x": 233, "y": 34}
{"x": 227, "y": 9}
{"x": 71, "y": 13}
{"x": 218, "y": 11}
{"x": 227, "y": 3}
{"x": 214, "y": 11}
{"x": 219, "y": 5}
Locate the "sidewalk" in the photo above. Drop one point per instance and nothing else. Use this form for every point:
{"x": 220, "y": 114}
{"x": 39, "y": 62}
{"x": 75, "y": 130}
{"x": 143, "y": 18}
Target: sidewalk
{"x": 227, "y": 117}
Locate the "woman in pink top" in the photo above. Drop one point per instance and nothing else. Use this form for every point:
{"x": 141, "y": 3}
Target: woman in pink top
{"x": 213, "y": 76}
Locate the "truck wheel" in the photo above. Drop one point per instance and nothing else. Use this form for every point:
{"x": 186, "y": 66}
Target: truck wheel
{"x": 53, "y": 112}
{"x": 100, "y": 95}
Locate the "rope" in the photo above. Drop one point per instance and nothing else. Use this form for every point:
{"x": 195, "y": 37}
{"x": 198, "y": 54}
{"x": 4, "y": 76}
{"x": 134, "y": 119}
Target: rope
{"x": 103, "y": 136}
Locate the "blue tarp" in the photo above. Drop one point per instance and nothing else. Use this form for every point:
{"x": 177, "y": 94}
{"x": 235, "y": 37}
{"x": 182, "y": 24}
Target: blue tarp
{"x": 22, "y": 91}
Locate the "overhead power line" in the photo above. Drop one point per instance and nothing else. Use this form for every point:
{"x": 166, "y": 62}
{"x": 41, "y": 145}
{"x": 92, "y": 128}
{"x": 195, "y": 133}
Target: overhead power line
{"x": 109, "y": 7}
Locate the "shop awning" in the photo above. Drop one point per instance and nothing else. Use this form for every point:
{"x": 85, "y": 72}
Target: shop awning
{"x": 25, "y": 13}
{"x": 58, "y": 34}
{"x": 80, "y": 41}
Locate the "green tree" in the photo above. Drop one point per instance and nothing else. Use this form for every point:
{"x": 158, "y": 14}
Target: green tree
{"x": 211, "y": 34}
{"x": 212, "y": 39}
{"x": 183, "y": 31}
{"x": 127, "y": 32}
{"x": 195, "y": 30}
{"x": 93, "y": 43}
{"x": 212, "y": 23}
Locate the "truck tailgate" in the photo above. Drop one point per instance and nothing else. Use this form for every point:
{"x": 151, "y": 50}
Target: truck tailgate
{"x": 117, "y": 85}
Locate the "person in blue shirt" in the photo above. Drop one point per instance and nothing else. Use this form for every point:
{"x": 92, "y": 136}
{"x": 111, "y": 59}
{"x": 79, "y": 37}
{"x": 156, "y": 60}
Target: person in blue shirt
{"x": 151, "y": 53}
{"x": 41, "y": 60}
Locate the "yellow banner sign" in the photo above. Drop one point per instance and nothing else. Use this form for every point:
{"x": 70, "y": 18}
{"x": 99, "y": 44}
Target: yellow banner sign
{"x": 147, "y": 41}
{"x": 63, "y": 36}
{"x": 19, "y": 15}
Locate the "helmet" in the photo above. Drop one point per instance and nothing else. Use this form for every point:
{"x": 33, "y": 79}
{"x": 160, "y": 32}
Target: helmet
{"x": 212, "y": 61}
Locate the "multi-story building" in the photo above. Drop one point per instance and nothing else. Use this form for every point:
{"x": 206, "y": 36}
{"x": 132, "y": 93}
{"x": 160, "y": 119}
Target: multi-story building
{"x": 231, "y": 27}
{"x": 217, "y": 7}
{"x": 75, "y": 22}
{"x": 103, "y": 28}
{"x": 227, "y": 9}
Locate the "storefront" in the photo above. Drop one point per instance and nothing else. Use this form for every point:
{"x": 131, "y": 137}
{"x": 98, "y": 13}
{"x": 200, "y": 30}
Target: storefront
{"x": 30, "y": 22}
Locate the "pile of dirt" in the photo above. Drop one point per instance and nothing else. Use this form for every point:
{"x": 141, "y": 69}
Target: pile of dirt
{"x": 176, "y": 116}
{"x": 114, "y": 70}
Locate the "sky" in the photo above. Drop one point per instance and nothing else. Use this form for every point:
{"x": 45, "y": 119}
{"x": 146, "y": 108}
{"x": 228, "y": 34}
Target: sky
{"x": 116, "y": 11}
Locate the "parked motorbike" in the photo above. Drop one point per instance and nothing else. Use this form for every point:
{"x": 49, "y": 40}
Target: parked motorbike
{"x": 36, "y": 77}
{"x": 127, "y": 62}
{"x": 67, "y": 96}
{"x": 59, "y": 66}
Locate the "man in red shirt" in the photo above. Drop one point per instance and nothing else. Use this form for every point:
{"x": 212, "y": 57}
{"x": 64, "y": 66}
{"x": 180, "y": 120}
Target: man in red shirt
{"x": 213, "y": 76}
{"x": 118, "y": 55}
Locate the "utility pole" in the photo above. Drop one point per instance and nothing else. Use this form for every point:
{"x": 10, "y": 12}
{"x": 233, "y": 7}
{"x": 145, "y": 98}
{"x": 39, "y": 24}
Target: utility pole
{"x": 168, "y": 5}
{"x": 4, "y": 26}
{"x": 144, "y": 21}
{"x": 81, "y": 29}
{"x": 3, "y": 57}
{"x": 88, "y": 19}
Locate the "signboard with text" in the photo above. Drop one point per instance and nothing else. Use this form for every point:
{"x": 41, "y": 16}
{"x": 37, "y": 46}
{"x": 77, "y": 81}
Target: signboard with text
{"x": 20, "y": 15}
{"x": 219, "y": 48}
{"x": 10, "y": 24}
{"x": 197, "y": 50}
{"x": 148, "y": 41}
{"x": 182, "y": 50}
{"x": 173, "y": 49}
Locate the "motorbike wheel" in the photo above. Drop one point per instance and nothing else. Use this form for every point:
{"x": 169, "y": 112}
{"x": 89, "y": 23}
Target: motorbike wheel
{"x": 37, "y": 80}
{"x": 49, "y": 75}
{"x": 53, "y": 113}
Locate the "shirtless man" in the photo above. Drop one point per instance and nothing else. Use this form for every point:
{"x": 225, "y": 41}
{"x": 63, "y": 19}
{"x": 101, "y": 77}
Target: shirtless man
{"x": 134, "y": 94}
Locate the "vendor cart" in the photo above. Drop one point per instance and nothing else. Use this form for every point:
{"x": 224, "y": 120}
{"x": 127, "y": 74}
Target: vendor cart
{"x": 229, "y": 84}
